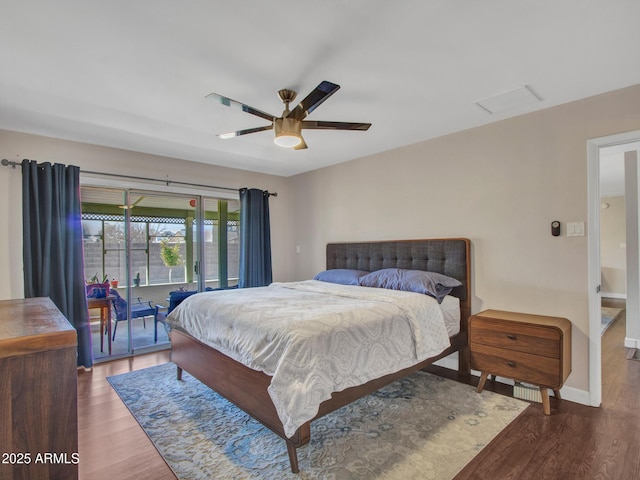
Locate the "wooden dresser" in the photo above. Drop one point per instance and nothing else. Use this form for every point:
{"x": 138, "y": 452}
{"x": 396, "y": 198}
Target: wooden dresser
{"x": 529, "y": 348}
{"x": 38, "y": 392}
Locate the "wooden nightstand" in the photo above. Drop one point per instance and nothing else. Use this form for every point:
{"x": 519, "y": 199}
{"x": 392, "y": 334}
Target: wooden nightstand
{"x": 529, "y": 348}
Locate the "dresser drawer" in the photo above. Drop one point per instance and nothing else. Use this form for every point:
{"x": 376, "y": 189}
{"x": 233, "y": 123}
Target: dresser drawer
{"x": 531, "y": 339}
{"x": 517, "y": 365}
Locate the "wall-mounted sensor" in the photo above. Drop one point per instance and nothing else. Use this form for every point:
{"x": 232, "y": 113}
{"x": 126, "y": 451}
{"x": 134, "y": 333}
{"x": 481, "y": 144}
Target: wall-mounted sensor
{"x": 555, "y": 228}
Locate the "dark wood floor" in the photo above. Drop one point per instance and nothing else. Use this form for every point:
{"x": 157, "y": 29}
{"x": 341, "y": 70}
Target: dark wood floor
{"x": 111, "y": 443}
{"x": 575, "y": 442}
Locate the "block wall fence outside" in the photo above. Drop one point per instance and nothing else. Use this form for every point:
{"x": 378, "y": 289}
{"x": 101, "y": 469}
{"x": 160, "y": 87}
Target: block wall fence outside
{"x": 115, "y": 266}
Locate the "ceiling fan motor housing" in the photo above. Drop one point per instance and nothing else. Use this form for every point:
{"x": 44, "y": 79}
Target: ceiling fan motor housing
{"x": 287, "y": 96}
{"x": 288, "y": 131}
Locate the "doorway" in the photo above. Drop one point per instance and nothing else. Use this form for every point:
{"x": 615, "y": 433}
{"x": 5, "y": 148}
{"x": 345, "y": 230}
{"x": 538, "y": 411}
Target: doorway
{"x": 626, "y": 141}
{"x": 613, "y": 255}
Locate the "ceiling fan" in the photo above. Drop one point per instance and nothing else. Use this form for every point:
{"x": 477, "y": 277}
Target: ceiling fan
{"x": 288, "y": 128}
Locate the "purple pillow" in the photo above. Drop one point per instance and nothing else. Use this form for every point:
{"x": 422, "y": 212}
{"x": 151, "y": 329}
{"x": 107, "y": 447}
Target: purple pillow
{"x": 433, "y": 284}
{"x": 343, "y": 276}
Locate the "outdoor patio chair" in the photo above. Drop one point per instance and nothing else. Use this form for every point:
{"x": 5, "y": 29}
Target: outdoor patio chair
{"x": 139, "y": 308}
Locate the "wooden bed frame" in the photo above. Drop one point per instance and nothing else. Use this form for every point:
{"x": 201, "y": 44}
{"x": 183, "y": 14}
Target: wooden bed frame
{"x": 247, "y": 388}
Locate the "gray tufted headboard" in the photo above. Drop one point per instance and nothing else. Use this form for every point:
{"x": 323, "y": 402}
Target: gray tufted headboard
{"x": 449, "y": 256}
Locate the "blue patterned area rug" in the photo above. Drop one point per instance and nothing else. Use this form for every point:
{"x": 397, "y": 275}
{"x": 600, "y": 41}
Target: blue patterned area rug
{"x": 421, "y": 427}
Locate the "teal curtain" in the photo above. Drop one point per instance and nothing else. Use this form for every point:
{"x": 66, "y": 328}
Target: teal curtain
{"x": 52, "y": 244}
{"x": 255, "y": 239}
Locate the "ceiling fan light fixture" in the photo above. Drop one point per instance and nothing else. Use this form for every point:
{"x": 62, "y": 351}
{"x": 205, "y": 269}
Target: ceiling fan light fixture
{"x": 287, "y": 141}
{"x": 287, "y": 131}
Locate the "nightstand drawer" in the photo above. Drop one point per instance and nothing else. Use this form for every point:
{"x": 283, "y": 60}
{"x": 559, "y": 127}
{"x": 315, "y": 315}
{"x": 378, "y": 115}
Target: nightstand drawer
{"x": 517, "y": 365}
{"x": 522, "y": 338}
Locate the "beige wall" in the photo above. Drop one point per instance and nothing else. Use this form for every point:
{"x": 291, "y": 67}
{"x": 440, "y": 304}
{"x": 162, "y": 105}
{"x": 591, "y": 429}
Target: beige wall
{"x": 613, "y": 253}
{"x": 500, "y": 185}
{"x": 16, "y": 146}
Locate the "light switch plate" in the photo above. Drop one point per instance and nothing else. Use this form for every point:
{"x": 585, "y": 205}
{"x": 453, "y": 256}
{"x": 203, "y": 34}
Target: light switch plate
{"x": 575, "y": 229}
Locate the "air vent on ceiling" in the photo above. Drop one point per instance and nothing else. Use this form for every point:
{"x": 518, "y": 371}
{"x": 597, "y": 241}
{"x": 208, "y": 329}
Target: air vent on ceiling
{"x": 513, "y": 100}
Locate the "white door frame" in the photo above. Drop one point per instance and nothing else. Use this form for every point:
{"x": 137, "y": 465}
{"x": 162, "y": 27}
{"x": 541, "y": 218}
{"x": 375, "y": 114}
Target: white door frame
{"x": 593, "y": 240}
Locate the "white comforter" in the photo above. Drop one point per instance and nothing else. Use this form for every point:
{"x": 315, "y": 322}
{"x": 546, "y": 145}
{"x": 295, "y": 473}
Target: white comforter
{"x": 315, "y": 338}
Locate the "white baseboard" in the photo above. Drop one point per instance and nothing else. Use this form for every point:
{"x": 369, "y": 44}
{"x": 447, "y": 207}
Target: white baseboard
{"x": 622, "y": 296}
{"x": 631, "y": 342}
{"x": 576, "y": 395}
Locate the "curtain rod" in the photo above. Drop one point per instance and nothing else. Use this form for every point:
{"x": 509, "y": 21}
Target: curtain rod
{"x": 7, "y": 163}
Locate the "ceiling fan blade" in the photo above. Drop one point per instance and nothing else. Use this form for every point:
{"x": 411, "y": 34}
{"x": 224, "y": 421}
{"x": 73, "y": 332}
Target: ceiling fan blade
{"x": 314, "y": 100}
{"x": 137, "y": 201}
{"x": 302, "y": 145}
{"x": 125, "y": 207}
{"x": 322, "y": 125}
{"x": 240, "y": 106}
{"x": 246, "y": 131}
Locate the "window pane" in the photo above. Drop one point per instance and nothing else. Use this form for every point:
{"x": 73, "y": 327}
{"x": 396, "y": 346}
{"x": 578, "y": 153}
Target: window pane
{"x": 233, "y": 251}
{"x": 138, "y": 232}
{"x": 115, "y": 264}
{"x": 167, "y": 253}
{"x": 233, "y": 241}
{"x": 214, "y": 256}
{"x": 92, "y": 242}
{"x": 114, "y": 235}
{"x": 139, "y": 237}
{"x": 211, "y": 252}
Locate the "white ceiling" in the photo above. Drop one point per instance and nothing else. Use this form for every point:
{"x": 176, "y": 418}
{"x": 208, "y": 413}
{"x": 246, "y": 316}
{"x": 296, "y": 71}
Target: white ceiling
{"x": 134, "y": 75}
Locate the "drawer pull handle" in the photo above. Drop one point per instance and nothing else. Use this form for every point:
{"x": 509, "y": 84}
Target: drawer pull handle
{"x": 511, "y": 364}
{"x": 512, "y": 337}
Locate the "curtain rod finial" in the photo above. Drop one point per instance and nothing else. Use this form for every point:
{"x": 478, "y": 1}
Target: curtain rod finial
{"x": 6, "y": 163}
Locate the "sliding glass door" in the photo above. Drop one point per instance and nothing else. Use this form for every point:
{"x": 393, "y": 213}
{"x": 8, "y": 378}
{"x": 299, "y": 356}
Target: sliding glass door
{"x": 148, "y": 244}
{"x": 221, "y": 243}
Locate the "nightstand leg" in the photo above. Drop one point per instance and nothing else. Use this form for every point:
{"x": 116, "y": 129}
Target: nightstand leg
{"x": 556, "y": 393}
{"x": 546, "y": 408}
{"x": 483, "y": 379}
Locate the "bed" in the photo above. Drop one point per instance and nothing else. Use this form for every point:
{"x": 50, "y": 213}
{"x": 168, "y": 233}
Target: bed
{"x": 248, "y": 388}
